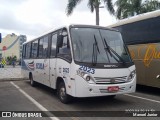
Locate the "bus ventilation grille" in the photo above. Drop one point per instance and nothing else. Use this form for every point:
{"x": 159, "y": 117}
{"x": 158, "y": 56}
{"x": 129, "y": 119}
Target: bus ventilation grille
{"x": 113, "y": 80}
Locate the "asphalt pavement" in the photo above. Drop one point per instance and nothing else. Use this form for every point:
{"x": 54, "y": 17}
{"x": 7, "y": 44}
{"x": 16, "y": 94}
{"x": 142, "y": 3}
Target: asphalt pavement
{"x": 20, "y": 96}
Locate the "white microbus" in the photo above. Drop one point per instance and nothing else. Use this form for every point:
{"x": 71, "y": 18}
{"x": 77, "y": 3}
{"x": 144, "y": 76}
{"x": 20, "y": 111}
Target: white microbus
{"x": 80, "y": 61}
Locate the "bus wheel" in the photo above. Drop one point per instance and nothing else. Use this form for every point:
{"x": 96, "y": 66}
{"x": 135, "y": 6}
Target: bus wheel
{"x": 64, "y": 98}
{"x": 111, "y": 96}
{"x": 32, "y": 82}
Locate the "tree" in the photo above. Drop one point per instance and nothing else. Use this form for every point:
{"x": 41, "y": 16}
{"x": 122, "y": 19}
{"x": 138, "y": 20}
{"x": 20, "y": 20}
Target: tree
{"x": 11, "y": 58}
{"x": 14, "y": 58}
{"x": 128, "y": 8}
{"x": 93, "y": 5}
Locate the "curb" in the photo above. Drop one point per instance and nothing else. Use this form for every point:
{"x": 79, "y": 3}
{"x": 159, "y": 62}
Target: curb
{"x": 12, "y": 79}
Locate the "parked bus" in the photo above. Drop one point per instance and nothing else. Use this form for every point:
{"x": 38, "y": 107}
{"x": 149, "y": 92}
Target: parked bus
{"x": 80, "y": 61}
{"x": 142, "y": 35}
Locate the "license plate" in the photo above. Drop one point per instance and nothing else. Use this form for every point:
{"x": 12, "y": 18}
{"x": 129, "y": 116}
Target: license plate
{"x": 113, "y": 88}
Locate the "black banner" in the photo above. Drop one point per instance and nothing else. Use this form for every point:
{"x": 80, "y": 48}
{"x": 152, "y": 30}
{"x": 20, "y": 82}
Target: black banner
{"x": 25, "y": 114}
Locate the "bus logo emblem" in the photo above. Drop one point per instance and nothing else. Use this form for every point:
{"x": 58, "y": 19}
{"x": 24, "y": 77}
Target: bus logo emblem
{"x": 110, "y": 66}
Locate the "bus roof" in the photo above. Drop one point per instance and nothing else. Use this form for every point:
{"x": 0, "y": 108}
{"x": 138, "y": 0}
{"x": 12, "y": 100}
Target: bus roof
{"x": 67, "y": 26}
{"x": 137, "y": 18}
{"x": 45, "y": 33}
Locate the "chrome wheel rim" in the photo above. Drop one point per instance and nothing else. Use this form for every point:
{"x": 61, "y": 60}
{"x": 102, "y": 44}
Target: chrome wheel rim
{"x": 62, "y": 93}
{"x": 31, "y": 81}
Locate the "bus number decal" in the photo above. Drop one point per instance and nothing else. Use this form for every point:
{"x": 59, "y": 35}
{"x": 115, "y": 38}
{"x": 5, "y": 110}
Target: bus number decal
{"x": 87, "y": 69}
{"x": 92, "y": 71}
{"x": 66, "y": 70}
{"x": 81, "y": 67}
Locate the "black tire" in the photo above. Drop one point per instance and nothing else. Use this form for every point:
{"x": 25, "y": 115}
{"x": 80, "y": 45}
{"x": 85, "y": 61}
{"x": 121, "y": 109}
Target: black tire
{"x": 111, "y": 96}
{"x": 32, "y": 82}
{"x": 62, "y": 95}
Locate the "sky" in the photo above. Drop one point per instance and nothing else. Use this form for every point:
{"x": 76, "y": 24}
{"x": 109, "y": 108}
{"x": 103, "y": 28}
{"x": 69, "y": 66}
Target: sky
{"x": 35, "y": 17}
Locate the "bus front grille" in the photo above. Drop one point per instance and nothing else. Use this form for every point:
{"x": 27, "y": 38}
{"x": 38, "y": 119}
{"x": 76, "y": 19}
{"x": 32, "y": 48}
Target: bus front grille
{"x": 114, "y": 80}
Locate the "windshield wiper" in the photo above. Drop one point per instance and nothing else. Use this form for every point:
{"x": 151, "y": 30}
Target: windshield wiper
{"x": 94, "y": 54}
{"x": 110, "y": 51}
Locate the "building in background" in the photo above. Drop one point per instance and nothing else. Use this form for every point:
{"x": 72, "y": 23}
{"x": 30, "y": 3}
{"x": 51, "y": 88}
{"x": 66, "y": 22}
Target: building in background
{"x": 11, "y": 45}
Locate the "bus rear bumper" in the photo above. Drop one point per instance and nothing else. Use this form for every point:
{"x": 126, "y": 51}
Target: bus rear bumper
{"x": 84, "y": 89}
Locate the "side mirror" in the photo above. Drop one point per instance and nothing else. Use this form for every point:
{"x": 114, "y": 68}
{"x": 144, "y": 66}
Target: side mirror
{"x": 0, "y": 37}
{"x": 60, "y": 41}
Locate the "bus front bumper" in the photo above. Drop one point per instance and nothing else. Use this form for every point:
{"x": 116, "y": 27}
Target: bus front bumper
{"x": 84, "y": 89}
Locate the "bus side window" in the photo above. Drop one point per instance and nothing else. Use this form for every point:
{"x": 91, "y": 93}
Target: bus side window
{"x": 45, "y": 47}
{"x": 28, "y": 50}
{"x": 40, "y": 50}
{"x": 24, "y": 51}
{"x": 34, "y": 49}
{"x": 53, "y": 45}
{"x": 64, "y": 51}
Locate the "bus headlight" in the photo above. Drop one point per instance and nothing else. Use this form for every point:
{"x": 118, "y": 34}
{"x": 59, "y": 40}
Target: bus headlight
{"x": 131, "y": 76}
{"x": 86, "y": 76}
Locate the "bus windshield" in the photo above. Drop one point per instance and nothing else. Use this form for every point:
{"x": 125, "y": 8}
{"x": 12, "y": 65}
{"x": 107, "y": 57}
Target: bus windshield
{"x": 95, "y": 45}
